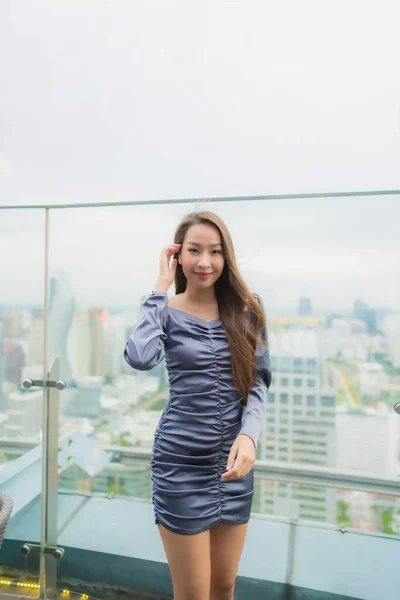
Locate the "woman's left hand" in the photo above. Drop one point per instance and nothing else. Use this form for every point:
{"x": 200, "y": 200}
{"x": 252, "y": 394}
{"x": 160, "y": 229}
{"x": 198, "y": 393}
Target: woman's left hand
{"x": 241, "y": 458}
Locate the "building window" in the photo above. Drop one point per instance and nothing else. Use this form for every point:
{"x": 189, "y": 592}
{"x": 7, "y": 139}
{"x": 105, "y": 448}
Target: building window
{"x": 297, "y": 398}
{"x": 311, "y": 383}
{"x": 284, "y": 381}
{"x": 311, "y": 365}
{"x": 298, "y": 365}
{"x": 284, "y": 398}
{"x": 297, "y": 382}
{"x": 284, "y": 364}
{"x": 271, "y": 398}
{"x": 325, "y": 413}
{"x": 327, "y": 401}
{"x": 310, "y": 400}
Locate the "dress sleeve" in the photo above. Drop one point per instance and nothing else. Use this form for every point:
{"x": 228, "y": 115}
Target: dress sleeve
{"x": 145, "y": 347}
{"x": 253, "y": 414}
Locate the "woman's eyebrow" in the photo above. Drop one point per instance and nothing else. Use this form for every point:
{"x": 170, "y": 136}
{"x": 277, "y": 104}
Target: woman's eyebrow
{"x": 196, "y": 244}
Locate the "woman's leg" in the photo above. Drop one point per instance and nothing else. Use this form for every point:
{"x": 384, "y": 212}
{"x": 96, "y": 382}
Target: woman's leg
{"x": 226, "y": 545}
{"x": 189, "y": 563}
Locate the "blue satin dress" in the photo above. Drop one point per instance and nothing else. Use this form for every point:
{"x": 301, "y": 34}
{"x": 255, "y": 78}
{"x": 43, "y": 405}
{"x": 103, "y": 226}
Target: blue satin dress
{"x": 202, "y": 419}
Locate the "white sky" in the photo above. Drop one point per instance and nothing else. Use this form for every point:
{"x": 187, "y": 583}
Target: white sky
{"x": 331, "y": 250}
{"x": 138, "y": 99}
{"x": 131, "y": 100}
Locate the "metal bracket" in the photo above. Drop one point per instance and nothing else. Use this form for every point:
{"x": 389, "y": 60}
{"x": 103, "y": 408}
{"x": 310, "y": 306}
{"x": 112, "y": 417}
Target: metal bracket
{"x": 60, "y": 384}
{"x": 58, "y": 553}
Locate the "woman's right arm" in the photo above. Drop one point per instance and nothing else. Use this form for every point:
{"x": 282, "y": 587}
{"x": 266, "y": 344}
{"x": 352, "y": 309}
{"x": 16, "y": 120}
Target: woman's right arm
{"x": 145, "y": 347}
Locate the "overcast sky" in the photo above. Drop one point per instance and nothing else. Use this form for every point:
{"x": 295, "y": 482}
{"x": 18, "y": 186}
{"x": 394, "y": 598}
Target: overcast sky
{"x": 332, "y": 250}
{"x": 128, "y": 100}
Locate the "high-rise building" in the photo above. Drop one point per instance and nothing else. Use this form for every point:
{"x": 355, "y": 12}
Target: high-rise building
{"x": 368, "y": 440}
{"x": 98, "y": 348}
{"x": 12, "y": 325}
{"x": 79, "y": 345}
{"x": 15, "y": 362}
{"x": 35, "y": 338}
{"x": 368, "y": 315}
{"x": 84, "y": 401}
{"x": 115, "y": 339}
{"x": 391, "y": 327}
{"x": 86, "y": 344}
{"x": 24, "y": 415}
{"x": 300, "y": 425}
{"x": 61, "y": 313}
{"x": 305, "y": 307}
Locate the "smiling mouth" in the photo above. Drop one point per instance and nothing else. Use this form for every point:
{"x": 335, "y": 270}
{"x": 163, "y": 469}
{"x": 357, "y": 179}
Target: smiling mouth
{"x": 203, "y": 274}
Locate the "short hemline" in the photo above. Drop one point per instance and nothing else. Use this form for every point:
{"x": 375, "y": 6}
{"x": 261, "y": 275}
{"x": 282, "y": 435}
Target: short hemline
{"x": 201, "y": 530}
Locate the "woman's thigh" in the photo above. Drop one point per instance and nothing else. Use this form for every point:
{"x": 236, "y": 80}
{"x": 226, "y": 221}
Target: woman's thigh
{"x": 189, "y": 563}
{"x": 226, "y": 545}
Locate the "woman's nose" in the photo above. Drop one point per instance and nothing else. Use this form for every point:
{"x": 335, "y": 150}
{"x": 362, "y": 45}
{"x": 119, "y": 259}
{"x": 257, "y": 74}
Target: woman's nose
{"x": 204, "y": 260}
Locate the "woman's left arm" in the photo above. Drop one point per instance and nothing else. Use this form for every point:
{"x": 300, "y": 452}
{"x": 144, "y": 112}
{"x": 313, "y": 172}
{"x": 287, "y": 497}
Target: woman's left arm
{"x": 242, "y": 455}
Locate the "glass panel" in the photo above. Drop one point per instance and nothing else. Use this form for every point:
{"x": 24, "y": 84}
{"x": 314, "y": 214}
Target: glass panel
{"x": 21, "y": 357}
{"x": 97, "y": 287}
{"x": 346, "y": 508}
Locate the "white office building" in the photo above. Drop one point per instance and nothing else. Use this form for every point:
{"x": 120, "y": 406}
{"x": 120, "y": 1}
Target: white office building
{"x": 368, "y": 441}
{"x": 24, "y": 415}
{"x": 300, "y": 425}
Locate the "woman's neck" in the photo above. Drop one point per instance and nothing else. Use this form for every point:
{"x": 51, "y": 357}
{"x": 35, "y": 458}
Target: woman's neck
{"x": 197, "y": 296}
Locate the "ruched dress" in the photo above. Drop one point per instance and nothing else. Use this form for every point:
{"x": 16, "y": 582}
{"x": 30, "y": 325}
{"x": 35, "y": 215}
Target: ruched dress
{"x": 202, "y": 419}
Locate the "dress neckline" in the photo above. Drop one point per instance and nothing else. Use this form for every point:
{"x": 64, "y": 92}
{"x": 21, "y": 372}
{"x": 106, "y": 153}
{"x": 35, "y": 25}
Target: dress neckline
{"x": 183, "y": 312}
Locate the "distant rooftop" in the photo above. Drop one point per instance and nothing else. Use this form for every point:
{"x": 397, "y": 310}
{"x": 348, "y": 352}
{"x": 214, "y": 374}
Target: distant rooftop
{"x": 301, "y": 343}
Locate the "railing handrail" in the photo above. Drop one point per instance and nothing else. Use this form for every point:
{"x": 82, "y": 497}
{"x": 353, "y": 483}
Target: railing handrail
{"x": 296, "y": 473}
{"x": 211, "y": 199}
{"x": 276, "y": 470}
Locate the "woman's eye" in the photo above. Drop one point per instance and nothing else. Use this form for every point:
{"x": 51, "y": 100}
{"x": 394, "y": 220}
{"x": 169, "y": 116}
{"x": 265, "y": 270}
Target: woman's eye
{"x": 192, "y": 250}
{"x": 217, "y": 251}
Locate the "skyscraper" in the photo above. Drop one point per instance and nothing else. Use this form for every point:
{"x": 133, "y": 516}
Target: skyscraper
{"x": 98, "y": 348}
{"x": 300, "y": 425}
{"x": 61, "y": 314}
{"x": 12, "y": 325}
{"x": 24, "y": 415}
{"x": 305, "y": 307}
{"x": 368, "y": 315}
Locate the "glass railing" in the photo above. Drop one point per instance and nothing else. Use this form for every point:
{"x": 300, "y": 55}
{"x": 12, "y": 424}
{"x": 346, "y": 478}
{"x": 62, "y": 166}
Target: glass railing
{"x": 22, "y": 277}
{"x": 327, "y": 270}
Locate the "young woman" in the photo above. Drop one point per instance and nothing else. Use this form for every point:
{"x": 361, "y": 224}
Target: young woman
{"x": 213, "y": 336}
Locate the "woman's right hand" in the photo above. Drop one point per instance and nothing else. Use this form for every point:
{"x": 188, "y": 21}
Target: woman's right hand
{"x": 167, "y": 271}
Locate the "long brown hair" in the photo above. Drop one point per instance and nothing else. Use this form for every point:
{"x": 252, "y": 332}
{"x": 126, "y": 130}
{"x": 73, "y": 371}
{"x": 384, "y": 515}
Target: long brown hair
{"x": 233, "y": 297}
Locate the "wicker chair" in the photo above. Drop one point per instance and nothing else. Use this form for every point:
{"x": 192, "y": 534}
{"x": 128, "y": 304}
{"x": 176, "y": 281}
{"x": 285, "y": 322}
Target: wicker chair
{"x": 6, "y": 507}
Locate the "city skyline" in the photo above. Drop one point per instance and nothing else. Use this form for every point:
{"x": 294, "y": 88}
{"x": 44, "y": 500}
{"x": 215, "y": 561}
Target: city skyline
{"x": 333, "y": 251}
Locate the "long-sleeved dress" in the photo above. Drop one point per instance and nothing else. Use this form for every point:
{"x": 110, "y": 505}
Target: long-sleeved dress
{"x": 202, "y": 419}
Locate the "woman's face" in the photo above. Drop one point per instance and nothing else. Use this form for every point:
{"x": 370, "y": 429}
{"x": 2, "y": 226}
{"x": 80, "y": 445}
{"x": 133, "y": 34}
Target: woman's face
{"x": 201, "y": 256}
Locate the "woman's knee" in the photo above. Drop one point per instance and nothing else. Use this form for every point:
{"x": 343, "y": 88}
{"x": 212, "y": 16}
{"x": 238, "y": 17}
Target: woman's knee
{"x": 222, "y": 588}
{"x": 190, "y": 592}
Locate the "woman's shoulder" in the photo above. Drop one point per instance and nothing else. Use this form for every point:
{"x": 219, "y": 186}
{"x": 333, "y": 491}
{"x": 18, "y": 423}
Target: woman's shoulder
{"x": 175, "y": 301}
{"x": 258, "y": 298}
